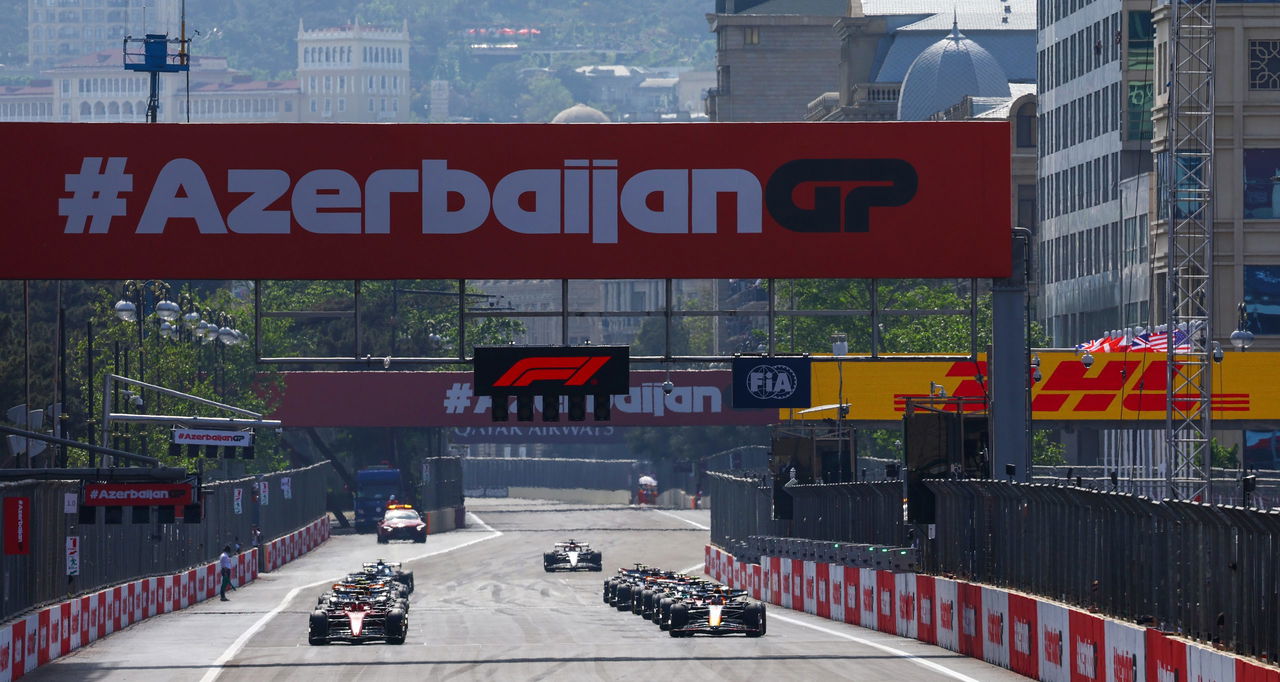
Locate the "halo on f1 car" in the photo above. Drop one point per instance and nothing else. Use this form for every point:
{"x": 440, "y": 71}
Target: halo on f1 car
{"x": 572, "y": 555}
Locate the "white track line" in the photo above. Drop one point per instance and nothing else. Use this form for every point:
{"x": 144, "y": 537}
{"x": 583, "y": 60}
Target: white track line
{"x": 695, "y": 524}
{"x": 216, "y": 669}
{"x": 876, "y": 645}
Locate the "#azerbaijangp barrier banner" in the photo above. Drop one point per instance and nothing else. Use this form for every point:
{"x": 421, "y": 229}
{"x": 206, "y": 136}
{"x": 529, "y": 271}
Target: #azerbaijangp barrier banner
{"x": 506, "y": 201}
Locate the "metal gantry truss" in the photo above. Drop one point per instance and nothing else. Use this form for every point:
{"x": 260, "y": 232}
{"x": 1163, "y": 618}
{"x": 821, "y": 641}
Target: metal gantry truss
{"x": 1188, "y": 198}
{"x": 466, "y": 309}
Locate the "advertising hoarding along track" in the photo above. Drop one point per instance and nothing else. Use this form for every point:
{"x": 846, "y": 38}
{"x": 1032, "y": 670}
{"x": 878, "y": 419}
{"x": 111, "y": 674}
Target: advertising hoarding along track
{"x": 137, "y": 494}
{"x": 508, "y": 201}
{"x": 1122, "y": 388}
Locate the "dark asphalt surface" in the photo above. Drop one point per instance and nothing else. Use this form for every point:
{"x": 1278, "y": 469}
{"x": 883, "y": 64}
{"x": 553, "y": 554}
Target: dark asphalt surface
{"x": 485, "y": 610}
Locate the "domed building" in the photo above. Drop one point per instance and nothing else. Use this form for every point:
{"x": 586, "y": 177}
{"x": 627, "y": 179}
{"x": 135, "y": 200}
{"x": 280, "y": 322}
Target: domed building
{"x": 945, "y": 73}
{"x": 581, "y": 113}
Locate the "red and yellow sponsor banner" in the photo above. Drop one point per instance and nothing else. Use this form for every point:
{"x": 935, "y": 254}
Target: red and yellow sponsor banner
{"x": 1119, "y": 386}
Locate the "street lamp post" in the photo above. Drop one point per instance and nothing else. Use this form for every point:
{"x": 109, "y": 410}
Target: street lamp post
{"x": 840, "y": 348}
{"x": 1242, "y": 338}
{"x": 132, "y": 308}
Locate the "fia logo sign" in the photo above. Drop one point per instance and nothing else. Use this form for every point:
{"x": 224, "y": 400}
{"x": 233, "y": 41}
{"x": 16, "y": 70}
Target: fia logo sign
{"x": 771, "y": 382}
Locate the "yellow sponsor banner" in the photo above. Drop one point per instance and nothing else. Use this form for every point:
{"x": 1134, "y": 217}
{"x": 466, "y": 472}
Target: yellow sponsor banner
{"x": 1119, "y": 386}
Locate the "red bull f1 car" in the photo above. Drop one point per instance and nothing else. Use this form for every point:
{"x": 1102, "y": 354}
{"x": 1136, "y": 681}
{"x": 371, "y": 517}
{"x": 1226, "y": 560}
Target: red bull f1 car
{"x": 720, "y": 612}
{"x": 684, "y": 605}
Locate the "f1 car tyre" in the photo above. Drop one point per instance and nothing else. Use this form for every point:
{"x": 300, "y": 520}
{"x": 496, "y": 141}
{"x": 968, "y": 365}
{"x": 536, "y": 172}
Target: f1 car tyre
{"x": 646, "y": 604}
{"x": 318, "y": 633}
{"x": 382, "y": 540}
{"x": 421, "y": 539}
{"x": 679, "y": 619}
{"x": 397, "y": 626}
{"x": 753, "y": 617}
{"x": 663, "y": 615}
{"x": 608, "y": 590}
{"x": 622, "y": 598}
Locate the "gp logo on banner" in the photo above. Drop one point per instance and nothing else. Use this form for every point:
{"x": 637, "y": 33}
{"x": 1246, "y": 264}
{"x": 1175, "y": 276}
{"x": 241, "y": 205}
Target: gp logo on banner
{"x": 647, "y": 201}
{"x": 235, "y": 439}
{"x": 771, "y": 382}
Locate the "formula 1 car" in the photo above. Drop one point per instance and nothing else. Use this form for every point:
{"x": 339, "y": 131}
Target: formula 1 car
{"x": 625, "y": 591}
{"x": 572, "y": 556}
{"x": 354, "y": 614}
{"x": 401, "y": 522}
{"x": 719, "y": 612}
{"x": 358, "y": 586}
{"x": 389, "y": 570}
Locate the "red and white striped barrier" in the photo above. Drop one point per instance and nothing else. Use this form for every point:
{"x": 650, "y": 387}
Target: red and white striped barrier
{"x": 282, "y": 550}
{"x": 1037, "y": 638}
{"x": 57, "y": 630}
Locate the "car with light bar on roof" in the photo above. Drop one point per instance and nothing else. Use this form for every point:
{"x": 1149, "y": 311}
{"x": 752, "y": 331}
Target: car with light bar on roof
{"x": 401, "y": 522}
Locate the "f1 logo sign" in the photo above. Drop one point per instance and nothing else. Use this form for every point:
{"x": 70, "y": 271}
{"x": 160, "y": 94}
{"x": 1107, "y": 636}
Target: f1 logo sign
{"x": 844, "y": 191}
{"x": 570, "y": 370}
{"x": 539, "y": 370}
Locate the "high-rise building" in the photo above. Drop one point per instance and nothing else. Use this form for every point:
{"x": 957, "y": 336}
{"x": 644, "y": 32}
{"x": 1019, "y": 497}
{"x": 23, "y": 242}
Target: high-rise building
{"x": 355, "y": 73}
{"x": 1095, "y": 74}
{"x": 1246, "y": 171}
{"x": 58, "y": 30}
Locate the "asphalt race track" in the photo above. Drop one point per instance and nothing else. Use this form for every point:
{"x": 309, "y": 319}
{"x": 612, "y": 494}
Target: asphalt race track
{"x": 484, "y": 609}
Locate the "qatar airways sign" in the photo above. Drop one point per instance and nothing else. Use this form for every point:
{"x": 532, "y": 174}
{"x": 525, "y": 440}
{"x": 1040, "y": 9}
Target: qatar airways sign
{"x": 507, "y": 200}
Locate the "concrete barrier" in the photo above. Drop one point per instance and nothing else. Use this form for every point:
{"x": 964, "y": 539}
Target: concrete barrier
{"x": 445, "y": 520}
{"x": 574, "y": 495}
{"x": 675, "y": 498}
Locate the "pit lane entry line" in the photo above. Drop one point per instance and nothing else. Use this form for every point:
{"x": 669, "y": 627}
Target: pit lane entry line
{"x": 876, "y": 645}
{"x": 695, "y": 524}
{"x": 216, "y": 669}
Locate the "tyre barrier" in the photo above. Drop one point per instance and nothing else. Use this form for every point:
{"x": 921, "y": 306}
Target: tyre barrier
{"x": 1034, "y": 637}
{"x": 56, "y": 630}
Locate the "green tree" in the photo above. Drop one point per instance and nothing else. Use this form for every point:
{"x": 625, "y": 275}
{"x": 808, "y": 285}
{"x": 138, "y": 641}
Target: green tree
{"x": 544, "y": 96}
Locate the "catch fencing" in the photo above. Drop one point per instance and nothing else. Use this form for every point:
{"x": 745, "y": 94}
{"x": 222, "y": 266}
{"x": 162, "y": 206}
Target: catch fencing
{"x": 1226, "y": 486}
{"x": 486, "y": 473}
{"x": 1205, "y": 571}
{"x": 441, "y": 483}
{"x": 118, "y": 544}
